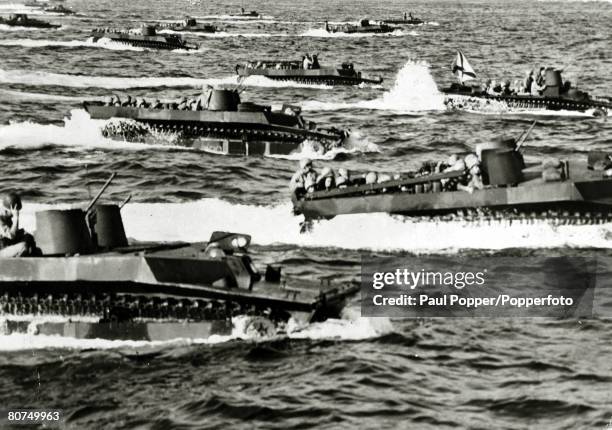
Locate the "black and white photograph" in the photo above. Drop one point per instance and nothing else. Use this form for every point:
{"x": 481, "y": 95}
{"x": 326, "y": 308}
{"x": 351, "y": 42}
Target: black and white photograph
{"x": 343, "y": 214}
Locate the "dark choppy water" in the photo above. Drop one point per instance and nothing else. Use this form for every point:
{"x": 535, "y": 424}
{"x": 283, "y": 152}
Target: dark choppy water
{"x": 350, "y": 373}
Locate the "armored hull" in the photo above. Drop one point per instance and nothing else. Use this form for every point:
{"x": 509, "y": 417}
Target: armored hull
{"x": 583, "y": 195}
{"x": 248, "y": 130}
{"x": 549, "y": 92}
{"x": 188, "y": 24}
{"x": 460, "y": 97}
{"x": 152, "y": 291}
{"x": 24, "y": 21}
{"x": 364, "y": 27}
{"x": 59, "y": 9}
{"x": 196, "y": 28}
{"x": 246, "y": 14}
{"x": 414, "y": 21}
{"x": 292, "y": 71}
{"x": 169, "y": 42}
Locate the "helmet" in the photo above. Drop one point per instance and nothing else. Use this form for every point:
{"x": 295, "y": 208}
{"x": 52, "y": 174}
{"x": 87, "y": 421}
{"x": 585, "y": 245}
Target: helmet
{"x": 12, "y": 199}
{"x": 471, "y": 160}
{"x": 326, "y": 172}
{"x": 371, "y": 178}
{"x": 452, "y": 159}
{"x": 459, "y": 165}
{"x": 305, "y": 163}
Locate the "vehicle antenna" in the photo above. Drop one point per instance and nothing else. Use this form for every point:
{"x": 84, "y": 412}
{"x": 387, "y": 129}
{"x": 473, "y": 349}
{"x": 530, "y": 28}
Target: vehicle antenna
{"x": 104, "y": 187}
{"x": 523, "y": 137}
{"x": 125, "y": 201}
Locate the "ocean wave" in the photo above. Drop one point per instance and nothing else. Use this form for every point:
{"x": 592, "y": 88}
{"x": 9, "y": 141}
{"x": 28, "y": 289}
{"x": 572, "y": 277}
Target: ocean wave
{"x": 277, "y": 224}
{"x": 4, "y": 27}
{"x": 351, "y": 327}
{"x": 494, "y": 107}
{"x": 40, "y": 78}
{"x": 320, "y": 32}
{"x": 414, "y": 90}
{"x": 356, "y": 143}
{"x": 82, "y": 133}
{"x": 224, "y": 34}
{"x": 79, "y": 132}
{"x": 89, "y": 43}
{"x": 39, "y": 96}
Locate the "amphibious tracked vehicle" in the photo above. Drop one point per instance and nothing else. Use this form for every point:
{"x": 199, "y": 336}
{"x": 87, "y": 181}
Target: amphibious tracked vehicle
{"x": 555, "y": 94}
{"x": 91, "y": 282}
{"x": 567, "y": 191}
{"x": 216, "y": 122}
{"x": 146, "y": 37}
{"x": 188, "y": 24}
{"x": 364, "y": 26}
{"x": 294, "y": 71}
{"x": 22, "y": 20}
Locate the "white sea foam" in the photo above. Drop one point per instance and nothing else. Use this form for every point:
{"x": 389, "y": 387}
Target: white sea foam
{"x": 356, "y": 142}
{"x": 320, "y": 32}
{"x": 224, "y": 34}
{"x": 414, "y": 90}
{"x": 276, "y": 224}
{"x": 350, "y": 327}
{"x": 41, "y": 78}
{"x": 39, "y": 96}
{"x": 89, "y": 43}
{"x": 80, "y": 132}
{"x": 4, "y": 27}
{"x": 492, "y": 107}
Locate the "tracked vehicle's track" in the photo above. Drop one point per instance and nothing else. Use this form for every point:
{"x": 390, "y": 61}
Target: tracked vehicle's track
{"x": 551, "y": 216}
{"x": 131, "y": 130}
{"x": 109, "y": 307}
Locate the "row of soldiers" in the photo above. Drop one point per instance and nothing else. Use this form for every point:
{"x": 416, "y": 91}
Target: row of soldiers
{"x": 307, "y": 180}
{"x": 533, "y": 84}
{"x": 184, "y": 103}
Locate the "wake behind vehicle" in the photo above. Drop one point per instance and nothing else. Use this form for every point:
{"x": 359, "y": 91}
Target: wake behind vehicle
{"x": 557, "y": 95}
{"x": 364, "y": 26}
{"x": 188, "y": 24}
{"x": 146, "y": 37}
{"x": 568, "y": 191}
{"x": 218, "y": 122}
{"x": 294, "y": 71}
{"x": 22, "y": 20}
{"x": 90, "y": 282}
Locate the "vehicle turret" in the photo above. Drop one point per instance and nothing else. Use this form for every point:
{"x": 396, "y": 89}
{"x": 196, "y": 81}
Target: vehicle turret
{"x": 223, "y": 100}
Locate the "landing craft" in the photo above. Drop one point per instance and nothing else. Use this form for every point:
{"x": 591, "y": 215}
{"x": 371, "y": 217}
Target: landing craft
{"x": 246, "y": 14}
{"x": 220, "y": 124}
{"x": 91, "y": 282}
{"x": 364, "y": 26}
{"x": 557, "y": 95}
{"x": 188, "y": 24}
{"x": 22, "y": 20}
{"x": 59, "y": 9}
{"x": 294, "y": 71}
{"x": 146, "y": 37}
{"x": 408, "y": 19}
{"x": 565, "y": 191}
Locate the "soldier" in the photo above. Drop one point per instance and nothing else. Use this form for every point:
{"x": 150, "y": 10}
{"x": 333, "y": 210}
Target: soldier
{"x": 305, "y": 178}
{"x": 14, "y": 241}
